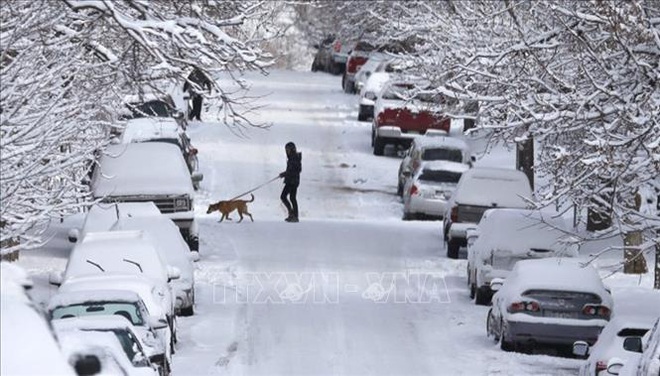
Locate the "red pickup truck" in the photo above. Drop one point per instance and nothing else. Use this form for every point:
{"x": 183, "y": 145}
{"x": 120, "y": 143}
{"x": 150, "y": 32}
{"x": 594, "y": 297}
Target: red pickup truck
{"x": 402, "y": 112}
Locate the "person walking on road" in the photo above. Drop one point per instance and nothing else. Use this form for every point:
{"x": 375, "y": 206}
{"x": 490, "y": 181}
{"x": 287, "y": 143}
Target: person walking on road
{"x": 291, "y": 181}
{"x": 197, "y": 81}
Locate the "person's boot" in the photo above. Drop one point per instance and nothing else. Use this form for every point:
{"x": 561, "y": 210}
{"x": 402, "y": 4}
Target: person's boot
{"x": 290, "y": 217}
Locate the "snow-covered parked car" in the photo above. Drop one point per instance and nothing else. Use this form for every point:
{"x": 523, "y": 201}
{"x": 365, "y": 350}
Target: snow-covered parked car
{"x": 173, "y": 250}
{"x": 102, "y": 216}
{"x": 367, "y": 69}
{"x": 426, "y": 194}
{"x": 124, "y": 303}
{"x": 102, "y": 352}
{"x": 152, "y": 103}
{"x": 552, "y": 301}
{"x": 635, "y": 312}
{"x": 405, "y": 109}
{"x": 480, "y": 189}
{"x": 157, "y": 301}
{"x": 646, "y": 364}
{"x": 506, "y": 236}
{"x": 164, "y": 130}
{"x": 151, "y": 171}
{"x": 424, "y": 149}
{"x": 357, "y": 57}
{"x": 116, "y": 325}
{"x": 28, "y": 342}
{"x": 369, "y": 94}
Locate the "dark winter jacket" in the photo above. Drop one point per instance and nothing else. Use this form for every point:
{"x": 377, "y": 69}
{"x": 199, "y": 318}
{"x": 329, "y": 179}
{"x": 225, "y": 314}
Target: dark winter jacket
{"x": 293, "y": 168}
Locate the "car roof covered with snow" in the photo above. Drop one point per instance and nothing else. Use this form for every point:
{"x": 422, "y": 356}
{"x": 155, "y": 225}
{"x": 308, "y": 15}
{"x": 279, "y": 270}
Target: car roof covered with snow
{"x": 77, "y": 297}
{"x": 118, "y": 252}
{"x": 376, "y": 82}
{"x": 138, "y": 284}
{"x": 28, "y": 345}
{"x": 490, "y": 186}
{"x": 443, "y": 166}
{"x": 142, "y": 169}
{"x": 101, "y": 216}
{"x": 145, "y": 129}
{"x": 519, "y": 230}
{"x": 426, "y": 142}
{"x": 555, "y": 274}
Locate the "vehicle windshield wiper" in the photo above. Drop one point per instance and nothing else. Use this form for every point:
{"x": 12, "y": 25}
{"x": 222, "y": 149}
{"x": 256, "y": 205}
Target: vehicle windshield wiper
{"x": 134, "y": 263}
{"x": 97, "y": 265}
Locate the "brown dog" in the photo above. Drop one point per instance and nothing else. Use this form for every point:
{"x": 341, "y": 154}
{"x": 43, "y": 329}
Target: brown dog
{"x": 226, "y": 207}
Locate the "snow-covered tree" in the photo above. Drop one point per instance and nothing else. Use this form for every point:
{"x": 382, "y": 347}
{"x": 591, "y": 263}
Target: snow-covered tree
{"x": 65, "y": 67}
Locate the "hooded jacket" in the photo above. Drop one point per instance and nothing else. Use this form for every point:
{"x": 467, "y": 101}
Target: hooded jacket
{"x": 293, "y": 168}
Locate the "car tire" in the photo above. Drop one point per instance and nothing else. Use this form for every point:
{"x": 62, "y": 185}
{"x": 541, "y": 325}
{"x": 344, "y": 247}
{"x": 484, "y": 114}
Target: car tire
{"x": 379, "y": 146}
{"x": 482, "y": 296}
{"x": 193, "y": 243}
{"x": 399, "y": 190}
{"x": 504, "y": 344}
{"x": 452, "y": 249}
{"x": 188, "y": 311}
{"x": 362, "y": 117}
{"x": 408, "y": 216}
{"x": 490, "y": 330}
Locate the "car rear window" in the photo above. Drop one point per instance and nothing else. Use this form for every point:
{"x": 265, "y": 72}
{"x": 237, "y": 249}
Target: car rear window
{"x": 563, "y": 299}
{"x": 440, "y": 176}
{"x": 442, "y": 154}
{"x": 128, "y": 310}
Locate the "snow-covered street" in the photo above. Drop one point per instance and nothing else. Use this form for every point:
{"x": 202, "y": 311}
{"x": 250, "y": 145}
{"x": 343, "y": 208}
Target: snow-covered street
{"x": 351, "y": 289}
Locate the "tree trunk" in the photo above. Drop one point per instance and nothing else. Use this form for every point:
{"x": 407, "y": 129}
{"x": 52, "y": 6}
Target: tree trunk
{"x": 525, "y": 159}
{"x": 634, "y": 261}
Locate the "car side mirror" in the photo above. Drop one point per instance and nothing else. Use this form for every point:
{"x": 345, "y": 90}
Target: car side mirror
{"x": 633, "y": 344}
{"x": 614, "y": 366}
{"x": 173, "y": 273}
{"x": 194, "y": 256}
{"x": 581, "y": 349}
{"x": 74, "y": 235}
{"x": 197, "y": 176}
{"x": 157, "y": 323}
{"x": 55, "y": 278}
{"x": 496, "y": 284}
{"x": 87, "y": 365}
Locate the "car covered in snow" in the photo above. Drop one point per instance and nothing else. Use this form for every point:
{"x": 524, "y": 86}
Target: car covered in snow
{"x": 151, "y": 171}
{"x": 424, "y": 149}
{"x": 356, "y": 58}
{"x": 120, "y": 327}
{"x": 124, "y": 303}
{"x": 100, "y": 353}
{"x": 369, "y": 94}
{"x": 28, "y": 343}
{"x": 551, "y": 301}
{"x": 152, "y": 103}
{"x": 480, "y": 189}
{"x": 635, "y": 312}
{"x": 157, "y": 302}
{"x": 367, "y": 69}
{"x": 168, "y": 131}
{"x": 173, "y": 250}
{"x": 647, "y": 363}
{"x": 405, "y": 109}
{"x": 426, "y": 194}
{"x": 506, "y": 236}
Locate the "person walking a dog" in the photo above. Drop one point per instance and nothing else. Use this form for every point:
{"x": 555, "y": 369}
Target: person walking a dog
{"x": 291, "y": 181}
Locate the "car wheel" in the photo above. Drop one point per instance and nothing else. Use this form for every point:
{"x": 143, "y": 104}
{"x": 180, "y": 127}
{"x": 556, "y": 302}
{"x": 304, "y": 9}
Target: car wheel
{"x": 482, "y": 296}
{"x": 490, "y": 327}
{"x": 362, "y": 117}
{"x": 408, "y": 216}
{"x": 452, "y": 249}
{"x": 399, "y": 190}
{"x": 379, "y": 146}
{"x": 188, "y": 311}
{"x": 193, "y": 243}
{"x": 373, "y": 136}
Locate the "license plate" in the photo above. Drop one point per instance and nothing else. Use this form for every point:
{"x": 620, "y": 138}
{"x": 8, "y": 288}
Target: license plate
{"x": 561, "y": 315}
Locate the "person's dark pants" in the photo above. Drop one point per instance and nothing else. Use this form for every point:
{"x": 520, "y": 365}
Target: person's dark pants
{"x": 196, "y": 108}
{"x": 290, "y": 190}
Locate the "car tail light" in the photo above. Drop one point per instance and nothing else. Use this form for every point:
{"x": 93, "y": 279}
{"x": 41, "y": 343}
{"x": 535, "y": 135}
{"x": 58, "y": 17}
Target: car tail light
{"x": 596, "y": 310}
{"x": 337, "y": 46}
{"x": 531, "y": 306}
{"x": 601, "y": 365}
{"x": 454, "y": 214}
{"x": 413, "y": 190}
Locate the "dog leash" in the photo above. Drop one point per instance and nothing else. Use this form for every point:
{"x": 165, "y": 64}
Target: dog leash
{"x": 255, "y": 188}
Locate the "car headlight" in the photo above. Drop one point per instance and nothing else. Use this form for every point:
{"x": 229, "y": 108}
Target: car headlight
{"x": 181, "y": 203}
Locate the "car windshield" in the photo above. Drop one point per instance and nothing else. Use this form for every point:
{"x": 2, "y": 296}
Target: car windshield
{"x": 128, "y": 310}
{"x": 442, "y": 154}
{"x": 440, "y": 176}
{"x": 154, "y": 108}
